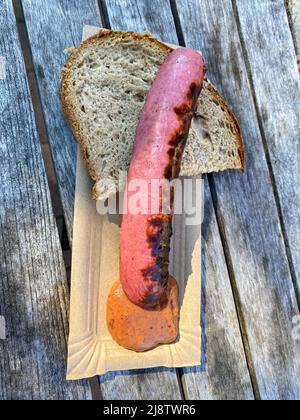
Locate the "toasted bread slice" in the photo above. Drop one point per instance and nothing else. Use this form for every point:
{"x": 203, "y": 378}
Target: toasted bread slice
{"x": 103, "y": 89}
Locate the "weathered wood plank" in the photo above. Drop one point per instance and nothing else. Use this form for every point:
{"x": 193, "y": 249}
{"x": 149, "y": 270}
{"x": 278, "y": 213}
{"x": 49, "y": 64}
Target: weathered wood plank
{"x": 223, "y": 345}
{"x": 293, "y": 9}
{"x": 223, "y": 374}
{"x": 51, "y": 29}
{"x": 143, "y": 16}
{"x": 246, "y": 209}
{"x": 273, "y": 66}
{"x": 34, "y": 292}
{"x": 146, "y": 384}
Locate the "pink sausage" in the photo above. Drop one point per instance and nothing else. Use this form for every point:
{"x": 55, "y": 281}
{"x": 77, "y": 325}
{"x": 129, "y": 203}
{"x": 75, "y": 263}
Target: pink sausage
{"x": 159, "y": 143}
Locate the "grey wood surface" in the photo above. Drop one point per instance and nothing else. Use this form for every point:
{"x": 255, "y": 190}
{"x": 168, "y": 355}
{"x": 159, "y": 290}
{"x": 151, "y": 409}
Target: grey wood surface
{"x": 34, "y": 294}
{"x": 148, "y": 384}
{"x": 154, "y": 16}
{"x": 273, "y": 67}
{"x": 51, "y": 29}
{"x": 293, "y": 9}
{"x": 246, "y": 208}
{"x": 224, "y": 373}
{"x": 251, "y": 57}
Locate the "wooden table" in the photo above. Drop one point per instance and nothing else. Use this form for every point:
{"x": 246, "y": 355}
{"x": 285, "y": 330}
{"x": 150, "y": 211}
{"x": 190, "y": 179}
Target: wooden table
{"x": 251, "y": 233}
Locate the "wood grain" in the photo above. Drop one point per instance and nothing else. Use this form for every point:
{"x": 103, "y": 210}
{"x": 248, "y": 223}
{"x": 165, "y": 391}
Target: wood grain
{"x": 273, "y": 66}
{"x": 34, "y": 293}
{"x": 293, "y": 9}
{"x": 146, "y": 384}
{"x": 224, "y": 373}
{"x": 65, "y": 19}
{"x": 246, "y": 207}
{"x": 52, "y": 27}
{"x": 143, "y": 16}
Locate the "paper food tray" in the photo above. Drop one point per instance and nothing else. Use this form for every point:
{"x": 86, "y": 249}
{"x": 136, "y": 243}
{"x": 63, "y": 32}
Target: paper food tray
{"x": 95, "y": 267}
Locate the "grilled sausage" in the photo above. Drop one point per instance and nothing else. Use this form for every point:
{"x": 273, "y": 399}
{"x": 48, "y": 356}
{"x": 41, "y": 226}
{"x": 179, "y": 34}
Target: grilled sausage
{"x": 159, "y": 144}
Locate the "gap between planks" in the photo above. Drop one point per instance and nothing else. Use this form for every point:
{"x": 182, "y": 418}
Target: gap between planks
{"x": 235, "y": 292}
{"x": 236, "y": 295}
{"x": 208, "y": 23}
{"x": 141, "y": 20}
{"x": 104, "y": 14}
{"x": 42, "y": 132}
{"x": 38, "y": 112}
{"x": 125, "y": 385}
{"x": 267, "y": 153}
{"x": 106, "y": 23}
{"x": 48, "y": 161}
{"x": 293, "y": 14}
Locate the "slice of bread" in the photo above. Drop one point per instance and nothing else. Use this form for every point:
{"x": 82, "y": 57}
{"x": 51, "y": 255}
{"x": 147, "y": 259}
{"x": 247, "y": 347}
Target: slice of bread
{"x": 103, "y": 89}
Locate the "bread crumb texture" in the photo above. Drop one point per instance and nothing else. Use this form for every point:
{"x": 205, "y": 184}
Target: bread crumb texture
{"x": 103, "y": 89}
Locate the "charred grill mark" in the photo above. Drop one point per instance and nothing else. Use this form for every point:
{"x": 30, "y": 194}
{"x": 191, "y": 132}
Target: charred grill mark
{"x": 194, "y": 93}
{"x": 185, "y": 113}
{"x": 159, "y": 232}
{"x": 159, "y": 227}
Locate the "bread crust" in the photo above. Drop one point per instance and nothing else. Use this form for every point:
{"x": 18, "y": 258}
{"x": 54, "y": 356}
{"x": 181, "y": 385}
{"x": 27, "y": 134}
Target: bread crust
{"x": 65, "y": 84}
{"x": 233, "y": 120}
{"x": 68, "y": 107}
